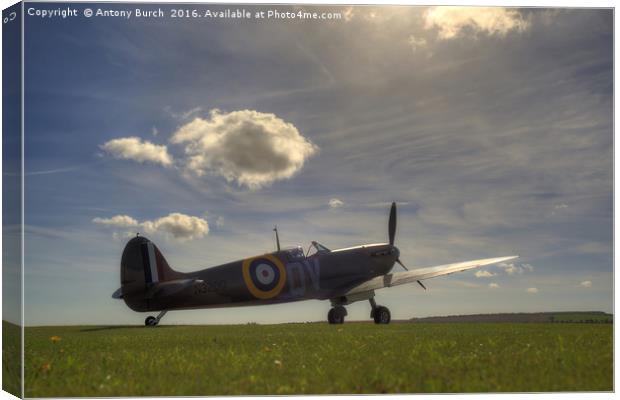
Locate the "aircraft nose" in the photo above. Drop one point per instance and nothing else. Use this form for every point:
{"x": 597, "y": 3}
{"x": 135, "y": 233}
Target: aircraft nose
{"x": 396, "y": 252}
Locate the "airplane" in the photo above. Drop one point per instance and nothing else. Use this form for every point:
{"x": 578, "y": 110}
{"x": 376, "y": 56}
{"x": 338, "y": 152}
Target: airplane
{"x": 342, "y": 276}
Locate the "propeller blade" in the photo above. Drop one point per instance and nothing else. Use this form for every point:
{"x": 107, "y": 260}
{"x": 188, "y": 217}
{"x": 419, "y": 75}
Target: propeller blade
{"x": 402, "y": 265}
{"x": 392, "y": 223}
{"x": 421, "y": 285}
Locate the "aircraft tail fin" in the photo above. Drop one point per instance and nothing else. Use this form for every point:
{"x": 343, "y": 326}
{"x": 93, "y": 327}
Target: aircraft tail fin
{"x": 142, "y": 266}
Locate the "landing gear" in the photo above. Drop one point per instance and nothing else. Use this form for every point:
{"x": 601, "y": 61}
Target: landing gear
{"x": 336, "y": 315}
{"x": 153, "y": 321}
{"x": 380, "y": 314}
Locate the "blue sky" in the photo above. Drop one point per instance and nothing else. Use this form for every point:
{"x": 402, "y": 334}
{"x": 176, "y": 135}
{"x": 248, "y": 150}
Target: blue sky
{"x": 491, "y": 128}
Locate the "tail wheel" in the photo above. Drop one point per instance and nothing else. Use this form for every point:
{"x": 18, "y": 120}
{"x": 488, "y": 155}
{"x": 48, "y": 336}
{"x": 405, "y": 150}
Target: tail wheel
{"x": 382, "y": 315}
{"x": 336, "y": 315}
{"x": 150, "y": 321}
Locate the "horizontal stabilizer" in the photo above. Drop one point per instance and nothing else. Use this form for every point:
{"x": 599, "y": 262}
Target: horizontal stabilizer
{"x": 168, "y": 288}
{"x": 401, "y": 278}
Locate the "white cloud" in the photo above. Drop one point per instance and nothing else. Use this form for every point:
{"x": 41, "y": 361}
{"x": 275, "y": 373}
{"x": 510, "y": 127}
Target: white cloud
{"x": 493, "y": 285}
{"x": 177, "y": 225}
{"x": 484, "y": 274}
{"x": 453, "y": 22}
{"x": 335, "y": 203}
{"x": 133, "y": 148}
{"x": 219, "y": 222}
{"x": 560, "y": 206}
{"x": 249, "y": 147}
{"x": 348, "y": 14}
{"x": 416, "y": 43}
{"x": 586, "y": 284}
{"x": 532, "y": 290}
{"x": 512, "y": 269}
{"x": 119, "y": 221}
{"x": 154, "y": 131}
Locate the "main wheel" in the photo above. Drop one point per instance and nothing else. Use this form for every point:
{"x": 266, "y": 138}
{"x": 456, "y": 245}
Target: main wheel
{"x": 150, "y": 321}
{"x": 382, "y": 315}
{"x": 336, "y": 315}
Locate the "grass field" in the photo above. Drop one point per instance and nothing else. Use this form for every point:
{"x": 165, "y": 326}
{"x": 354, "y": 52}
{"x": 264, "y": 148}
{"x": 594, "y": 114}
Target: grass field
{"x": 11, "y": 358}
{"x": 317, "y": 358}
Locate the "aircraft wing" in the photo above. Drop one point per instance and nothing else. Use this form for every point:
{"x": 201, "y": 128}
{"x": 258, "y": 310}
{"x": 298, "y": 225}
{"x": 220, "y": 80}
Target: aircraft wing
{"x": 401, "y": 278}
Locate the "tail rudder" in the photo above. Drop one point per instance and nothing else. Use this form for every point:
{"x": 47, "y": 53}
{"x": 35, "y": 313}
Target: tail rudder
{"x": 142, "y": 265}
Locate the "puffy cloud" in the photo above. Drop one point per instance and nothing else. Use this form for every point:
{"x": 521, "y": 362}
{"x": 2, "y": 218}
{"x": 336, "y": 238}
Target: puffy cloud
{"x": 484, "y": 274}
{"x": 249, "y": 147}
{"x": 133, "y": 148}
{"x": 586, "y": 284}
{"x": 493, "y": 285}
{"x": 180, "y": 226}
{"x": 512, "y": 269}
{"x": 456, "y": 21}
{"x": 176, "y": 225}
{"x": 335, "y": 203}
{"x": 119, "y": 221}
{"x": 532, "y": 290}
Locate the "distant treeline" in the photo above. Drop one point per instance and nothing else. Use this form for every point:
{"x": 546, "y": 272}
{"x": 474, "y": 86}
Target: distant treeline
{"x": 586, "y": 317}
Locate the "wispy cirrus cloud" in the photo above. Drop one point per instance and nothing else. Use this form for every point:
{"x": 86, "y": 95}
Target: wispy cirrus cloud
{"x": 453, "y": 22}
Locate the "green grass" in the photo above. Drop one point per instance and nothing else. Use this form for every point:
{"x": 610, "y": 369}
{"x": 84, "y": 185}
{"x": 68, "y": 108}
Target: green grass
{"x": 317, "y": 358}
{"x": 582, "y": 317}
{"x": 11, "y": 358}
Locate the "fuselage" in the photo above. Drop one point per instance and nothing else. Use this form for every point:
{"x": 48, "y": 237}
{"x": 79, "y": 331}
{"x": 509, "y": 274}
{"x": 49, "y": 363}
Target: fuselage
{"x": 281, "y": 276}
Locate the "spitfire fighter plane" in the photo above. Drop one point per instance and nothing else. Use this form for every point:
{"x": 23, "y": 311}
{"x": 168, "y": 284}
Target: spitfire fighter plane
{"x": 342, "y": 276}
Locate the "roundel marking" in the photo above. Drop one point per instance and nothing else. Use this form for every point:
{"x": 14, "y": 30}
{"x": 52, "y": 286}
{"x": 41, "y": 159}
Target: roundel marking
{"x": 264, "y": 276}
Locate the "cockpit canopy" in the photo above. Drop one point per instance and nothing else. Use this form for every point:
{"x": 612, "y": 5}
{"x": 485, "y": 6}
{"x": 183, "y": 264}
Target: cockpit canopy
{"x": 297, "y": 253}
{"x": 320, "y": 248}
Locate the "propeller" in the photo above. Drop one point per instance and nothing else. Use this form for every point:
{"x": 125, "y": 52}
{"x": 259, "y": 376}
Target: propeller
{"x": 392, "y": 223}
{"x": 392, "y": 234}
{"x": 407, "y": 269}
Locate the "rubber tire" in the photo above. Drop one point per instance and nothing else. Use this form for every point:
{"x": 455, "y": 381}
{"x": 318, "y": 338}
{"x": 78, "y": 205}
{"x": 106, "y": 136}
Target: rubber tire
{"x": 150, "y": 321}
{"x": 382, "y": 315}
{"x": 336, "y": 316}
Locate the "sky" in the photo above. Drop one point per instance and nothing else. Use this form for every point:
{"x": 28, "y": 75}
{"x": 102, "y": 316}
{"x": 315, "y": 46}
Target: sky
{"x": 491, "y": 129}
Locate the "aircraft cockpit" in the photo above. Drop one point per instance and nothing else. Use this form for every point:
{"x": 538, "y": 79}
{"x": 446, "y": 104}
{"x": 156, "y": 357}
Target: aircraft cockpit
{"x": 295, "y": 253}
{"x": 317, "y": 248}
